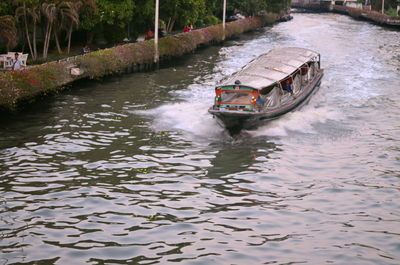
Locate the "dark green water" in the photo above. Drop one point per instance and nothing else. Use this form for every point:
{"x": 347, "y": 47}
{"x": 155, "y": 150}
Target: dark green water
{"x": 133, "y": 170}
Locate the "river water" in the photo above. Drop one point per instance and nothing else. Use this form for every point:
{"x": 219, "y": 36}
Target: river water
{"x": 133, "y": 170}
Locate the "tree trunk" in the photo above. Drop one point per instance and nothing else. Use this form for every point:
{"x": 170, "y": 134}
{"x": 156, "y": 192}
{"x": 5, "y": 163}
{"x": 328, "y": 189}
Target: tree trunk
{"x": 69, "y": 37}
{"x": 167, "y": 26}
{"x": 47, "y": 40}
{"x": 170, "y": 25}
{"x": 27, "y": 33}
{"x": 57, "y": 42}
{"x": 34, "y": 38}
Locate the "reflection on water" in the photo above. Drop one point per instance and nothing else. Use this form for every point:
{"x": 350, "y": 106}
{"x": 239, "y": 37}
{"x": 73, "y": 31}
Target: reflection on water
{"x": 133, "y": 170}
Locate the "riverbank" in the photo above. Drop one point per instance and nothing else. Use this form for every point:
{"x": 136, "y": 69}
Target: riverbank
{"x": 356, "y": 13}
{"x": 20, "y": 86}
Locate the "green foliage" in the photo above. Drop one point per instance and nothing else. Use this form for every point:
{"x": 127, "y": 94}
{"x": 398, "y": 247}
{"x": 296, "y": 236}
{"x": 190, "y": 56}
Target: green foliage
{"x": 115, "y": 12}
{"x": 391, "y": 12}
{"x": 132, "y": 17}
{"x": 252, "y": 7}
{"x": 142, "y": 18}
{"x": 100, "y": 63}
{"x": 389, "y": 4}
{"x": 109, "y": 12}
{"x": 277, "y": 6}
{"x": 5, "y": 8}
{"x": 182, "y": 12}
{"x": 8, "y": 31}
{"x": 208, "y": 20}
{"x": 255, "y": 7}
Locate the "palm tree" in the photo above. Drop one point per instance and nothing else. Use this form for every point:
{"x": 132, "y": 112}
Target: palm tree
{"x": 29, "y": 15}
{"x": 69, "y": 18}
{"x": 34, "y": 13}
{"x": 57, "y": 28}
{"x": 56, "y": 31}
{"x": 49, "y": 11}
{"x": 8, "y": 31}
{"x": 21, "y": 14}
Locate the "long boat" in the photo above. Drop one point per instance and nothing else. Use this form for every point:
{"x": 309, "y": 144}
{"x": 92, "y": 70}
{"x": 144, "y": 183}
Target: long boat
{"x": 269, "y": 86}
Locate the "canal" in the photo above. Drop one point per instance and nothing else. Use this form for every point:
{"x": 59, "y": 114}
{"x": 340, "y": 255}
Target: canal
{"x": 133, "y": 170}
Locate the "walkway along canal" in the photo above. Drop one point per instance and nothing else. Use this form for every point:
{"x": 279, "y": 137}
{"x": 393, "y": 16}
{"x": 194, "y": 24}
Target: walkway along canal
{"x": 18, "y": 85}
{"x": 133, "y": 170}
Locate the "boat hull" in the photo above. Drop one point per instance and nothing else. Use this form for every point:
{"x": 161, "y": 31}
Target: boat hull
{"x": 234, "y": 121}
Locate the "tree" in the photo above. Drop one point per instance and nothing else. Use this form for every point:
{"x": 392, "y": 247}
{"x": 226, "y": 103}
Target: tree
{"x": 143, "y": 17}
{"x": 34, "y": 13}
{"x": 181, "y": 12}
{"x": 6, "y": 8}
{"x": 108, "y": 12}
{"x": 49, "y": 11}
{"x": 252, "y": 7}
{"x": 21, "y": 15}
{"x": 8, "y": 31}
{"x": 69, "y": 12}
{"x": 389, "y": 4}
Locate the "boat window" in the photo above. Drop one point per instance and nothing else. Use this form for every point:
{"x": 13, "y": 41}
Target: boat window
{"x": 266, "y": 90}
{"x": 236, "y": 97}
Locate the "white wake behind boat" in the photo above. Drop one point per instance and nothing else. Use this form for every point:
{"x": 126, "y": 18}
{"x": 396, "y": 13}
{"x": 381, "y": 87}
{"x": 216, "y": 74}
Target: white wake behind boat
{"x": 269, "y": 86}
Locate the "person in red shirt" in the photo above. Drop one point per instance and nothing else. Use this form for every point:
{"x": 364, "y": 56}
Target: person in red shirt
{"x": 149, "y": 35}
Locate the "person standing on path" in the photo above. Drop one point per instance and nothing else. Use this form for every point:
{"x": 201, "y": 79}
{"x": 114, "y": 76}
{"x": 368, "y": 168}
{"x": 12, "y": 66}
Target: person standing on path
{"x": 17, "y": 65}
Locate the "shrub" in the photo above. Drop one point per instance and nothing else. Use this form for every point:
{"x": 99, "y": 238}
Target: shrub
{"x": 100, "y": 63}
{"x": 16, "y": 85}
{"x": 210, "y": 20}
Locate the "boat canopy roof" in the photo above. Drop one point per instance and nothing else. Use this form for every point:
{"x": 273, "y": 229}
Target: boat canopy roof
{"x": 271, "y": 67}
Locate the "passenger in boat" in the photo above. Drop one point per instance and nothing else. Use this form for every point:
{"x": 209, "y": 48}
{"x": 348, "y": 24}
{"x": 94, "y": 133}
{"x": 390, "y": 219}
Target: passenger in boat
{"x": 258, "y": 102}
{"x": 237, "y": 84}
{"x": 287, "y": 86}
{"x": 304, "y": 69}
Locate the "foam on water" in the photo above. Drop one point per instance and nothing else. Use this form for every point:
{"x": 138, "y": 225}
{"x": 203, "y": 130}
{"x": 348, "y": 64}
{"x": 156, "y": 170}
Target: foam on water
{"x": 190, "y": 116}
{"x": 302, "y": 120}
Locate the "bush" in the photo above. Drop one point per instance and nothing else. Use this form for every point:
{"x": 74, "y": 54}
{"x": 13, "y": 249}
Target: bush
{"x": 391, "y": 12}
{"x": 210, "y": 20}
{"x": 16, "y": 85}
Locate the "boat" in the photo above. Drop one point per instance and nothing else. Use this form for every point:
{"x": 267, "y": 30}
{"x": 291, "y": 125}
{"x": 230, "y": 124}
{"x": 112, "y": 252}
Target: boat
{"x": 268, "y": 87}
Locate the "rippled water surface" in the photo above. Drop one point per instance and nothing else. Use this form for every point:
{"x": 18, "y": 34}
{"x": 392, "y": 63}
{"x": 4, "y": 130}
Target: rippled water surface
{"x": 132, "y": 169}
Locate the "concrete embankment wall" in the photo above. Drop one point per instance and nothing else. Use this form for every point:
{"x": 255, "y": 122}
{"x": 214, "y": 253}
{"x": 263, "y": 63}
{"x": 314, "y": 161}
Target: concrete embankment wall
{"x": 357, "y": 13}
{"x": 17, "y": 86}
